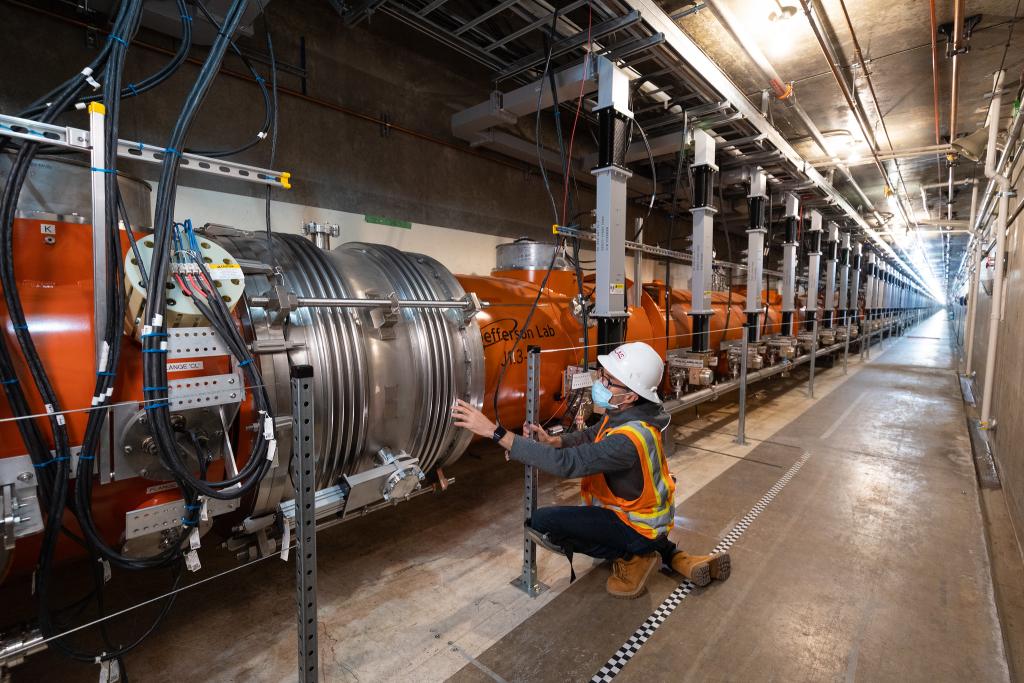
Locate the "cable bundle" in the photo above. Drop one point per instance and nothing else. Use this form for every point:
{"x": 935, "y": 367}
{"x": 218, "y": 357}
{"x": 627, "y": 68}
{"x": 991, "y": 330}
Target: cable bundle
{"x": 53, "y": 470}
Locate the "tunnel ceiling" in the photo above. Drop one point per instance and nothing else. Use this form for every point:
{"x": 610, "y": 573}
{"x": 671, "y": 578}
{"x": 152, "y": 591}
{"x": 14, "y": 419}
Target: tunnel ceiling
{"x": 508, "y": 39}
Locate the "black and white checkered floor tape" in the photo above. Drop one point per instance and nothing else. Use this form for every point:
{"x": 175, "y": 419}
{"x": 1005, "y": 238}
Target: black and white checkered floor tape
{"x": 618, "y": 661}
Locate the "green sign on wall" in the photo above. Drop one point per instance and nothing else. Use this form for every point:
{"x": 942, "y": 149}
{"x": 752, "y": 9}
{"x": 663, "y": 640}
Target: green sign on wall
{"x": 381, "y": 220}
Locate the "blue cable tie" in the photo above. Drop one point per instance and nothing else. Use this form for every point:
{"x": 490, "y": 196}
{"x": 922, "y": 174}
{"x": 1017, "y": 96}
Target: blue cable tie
{"x": 62, "y": 458}
{"x": 188, "y": 523}
{"x": 259, "y": 79}
{"x": 94, "y": 169}
{"x": 186, "y": 17}
{"x": 104, "y": 373}
{"x": 132, "y": 89}
{"x": 118, "y": 39}
{"x": 158, "y": 405}
{"x": 154, "y": 388}
{"x": 141, "y": 147}
{"x": 86, "y": 457}
{"x": 21, "y": 327}
{"x": 154, "y": 334}
{"x": 197, "y": 506}
{"x": 154, "y": 350}
{"x": 13, "y": 380}
{"x": 245, "y": 362}
{"x": 40, "y": 465}
{"x": 171, "y": 150}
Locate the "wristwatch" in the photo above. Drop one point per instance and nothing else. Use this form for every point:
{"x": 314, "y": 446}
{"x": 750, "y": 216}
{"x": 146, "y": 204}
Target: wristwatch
{"x": 499, "y": 432}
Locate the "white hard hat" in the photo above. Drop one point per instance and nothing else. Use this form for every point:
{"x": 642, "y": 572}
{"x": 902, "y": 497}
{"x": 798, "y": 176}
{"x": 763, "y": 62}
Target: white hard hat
{"x": 636, "y": 365}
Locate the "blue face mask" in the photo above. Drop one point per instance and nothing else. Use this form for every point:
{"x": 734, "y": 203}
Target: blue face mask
{"x": 602, "y": 396}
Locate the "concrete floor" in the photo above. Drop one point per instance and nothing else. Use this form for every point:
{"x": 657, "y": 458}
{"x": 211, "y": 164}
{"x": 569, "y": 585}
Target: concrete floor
{"x": 870, "y": 564}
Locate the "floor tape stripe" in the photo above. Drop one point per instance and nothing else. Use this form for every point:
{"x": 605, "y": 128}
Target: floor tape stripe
{"x": 618, "y": 661}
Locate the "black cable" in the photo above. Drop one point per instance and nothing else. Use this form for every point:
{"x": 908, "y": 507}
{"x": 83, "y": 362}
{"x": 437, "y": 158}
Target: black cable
{"x": 269, "y": 104}
{"x": 536, "y": 132}
{"x": 151, "y": 81}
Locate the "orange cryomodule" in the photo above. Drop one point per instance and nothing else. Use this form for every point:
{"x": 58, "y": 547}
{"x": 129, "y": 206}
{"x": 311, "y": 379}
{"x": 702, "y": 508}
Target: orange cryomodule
{"x": 558, "y": 332}
{"x": 55, "y": 283}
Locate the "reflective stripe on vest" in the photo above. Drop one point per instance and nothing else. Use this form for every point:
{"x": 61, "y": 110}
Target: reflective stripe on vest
{"x": 653, "y": 512}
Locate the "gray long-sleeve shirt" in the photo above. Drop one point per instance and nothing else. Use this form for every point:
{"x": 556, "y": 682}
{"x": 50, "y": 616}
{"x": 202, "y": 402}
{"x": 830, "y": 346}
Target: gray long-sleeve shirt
{"x": 615, "y": 456}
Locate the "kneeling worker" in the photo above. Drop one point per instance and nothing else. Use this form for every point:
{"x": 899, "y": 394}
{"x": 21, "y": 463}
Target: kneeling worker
{"x": 626, "y": 485}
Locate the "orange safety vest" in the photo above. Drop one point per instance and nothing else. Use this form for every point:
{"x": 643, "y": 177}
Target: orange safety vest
{"x": 653, "y": 513}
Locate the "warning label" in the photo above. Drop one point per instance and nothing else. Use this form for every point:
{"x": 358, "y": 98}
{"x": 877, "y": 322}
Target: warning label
{"x": 225, "y": 271}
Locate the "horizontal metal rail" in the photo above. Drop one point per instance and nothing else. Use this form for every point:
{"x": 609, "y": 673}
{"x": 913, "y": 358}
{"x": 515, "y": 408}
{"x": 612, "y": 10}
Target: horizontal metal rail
{"x": 723, "y": 388}
{"x": 305, "y": 301}
{"x": 78, "y": 139}
{"x": 671, "y": 254}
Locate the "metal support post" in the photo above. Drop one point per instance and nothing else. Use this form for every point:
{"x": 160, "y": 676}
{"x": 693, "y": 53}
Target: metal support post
{"x": 813, "y": 266}
{"x": 97, "y": 157}
{"x": 831, "y": 254}
{"x": 846, "y": 346}
{"x": 303, "y": 474}
{"x": 973, "y": 273}
{"x": 614, "y": 119}
{"x": 789, "y": 247}
{"x": 741, "y": 427}
{"x": 757, "y": 201}
{"x": 869, "y": 302}
{"x": 703, "y": 212}
{"x": 814, "y": 358}
{"x": 528, "y": 581}
{"x": 638, "y": 266}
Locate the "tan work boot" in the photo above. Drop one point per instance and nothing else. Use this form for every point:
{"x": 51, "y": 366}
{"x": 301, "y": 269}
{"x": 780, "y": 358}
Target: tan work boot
{"x": 696, "y": 568}
{"x": 721, "y": 566}
{"x": 700, "y": 569}
{"x": 629, "y": 577}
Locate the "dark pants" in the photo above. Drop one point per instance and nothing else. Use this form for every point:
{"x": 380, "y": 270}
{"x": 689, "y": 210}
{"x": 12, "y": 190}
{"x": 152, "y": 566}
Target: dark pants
{"x": 596, "y": 532}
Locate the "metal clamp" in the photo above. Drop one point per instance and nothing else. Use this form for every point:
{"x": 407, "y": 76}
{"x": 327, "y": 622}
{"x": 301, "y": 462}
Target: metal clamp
{"x": 384, "y": 318}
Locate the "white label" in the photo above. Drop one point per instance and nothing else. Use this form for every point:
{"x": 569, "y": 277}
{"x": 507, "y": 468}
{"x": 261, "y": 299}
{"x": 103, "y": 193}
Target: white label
{"x": 48, "y": 228}
{"x": 193, "y": 539}
{"x": 204, "y": 512}
{"x": 582, "y": 380}
{"x": 192, "y": 561}
{"x": 182, "y": 366}
{"x": 161, "y": 487}
{"x": 110, "y": 671}
{"x": 286, "y": 541}
{"x": 106, "y": 571}
{"x": 617, "y": 288}
{"x": 224, "y": 271}
{"x": 688, "y": 362}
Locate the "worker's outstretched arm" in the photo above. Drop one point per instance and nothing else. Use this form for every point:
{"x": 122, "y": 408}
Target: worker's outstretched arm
{"x": 612, "y": 453}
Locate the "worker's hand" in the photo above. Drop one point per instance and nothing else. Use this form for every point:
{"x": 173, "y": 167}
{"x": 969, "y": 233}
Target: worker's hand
{"x": 468, "y": 417}
{"x": 539, "y": 434}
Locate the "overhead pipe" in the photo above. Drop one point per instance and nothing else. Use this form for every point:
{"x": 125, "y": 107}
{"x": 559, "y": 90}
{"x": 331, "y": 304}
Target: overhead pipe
{"x": 1003, "y": 183}
{"x": 736, "y": 31}
{"x": 958, "y": 34}
{"x": 935, "y": 67}
{"x": 855, "y": 109}
{"x": 712, "y": 76}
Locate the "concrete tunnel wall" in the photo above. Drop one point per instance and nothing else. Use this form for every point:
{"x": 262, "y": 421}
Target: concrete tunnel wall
{"x": 1009, "y": 383}
{"x": 340, "y": 161}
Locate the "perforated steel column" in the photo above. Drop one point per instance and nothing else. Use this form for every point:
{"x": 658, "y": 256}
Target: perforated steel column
{"x": 303, "y": 471}
{"x": 527, "y": 581}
